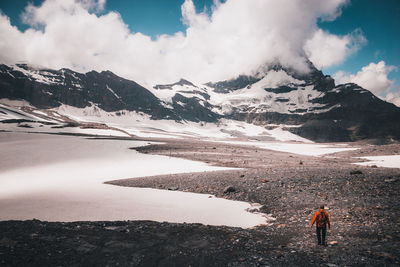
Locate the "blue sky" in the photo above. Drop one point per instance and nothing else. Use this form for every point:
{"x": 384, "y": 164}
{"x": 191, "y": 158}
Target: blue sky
{"x": 152, "y": 17}
{"x": 379, "y": 22}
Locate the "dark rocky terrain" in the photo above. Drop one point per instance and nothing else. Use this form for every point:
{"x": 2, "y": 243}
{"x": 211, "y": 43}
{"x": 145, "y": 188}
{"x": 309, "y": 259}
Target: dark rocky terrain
{"x": 363, "y": 203}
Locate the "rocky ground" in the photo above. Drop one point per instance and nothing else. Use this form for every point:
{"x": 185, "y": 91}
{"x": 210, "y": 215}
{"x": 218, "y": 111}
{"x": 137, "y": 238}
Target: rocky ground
{"x": 363, "y": 203}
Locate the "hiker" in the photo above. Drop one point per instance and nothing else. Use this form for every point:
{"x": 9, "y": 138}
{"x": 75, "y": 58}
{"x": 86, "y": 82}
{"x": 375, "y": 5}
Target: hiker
{"x": 322, "y": 219}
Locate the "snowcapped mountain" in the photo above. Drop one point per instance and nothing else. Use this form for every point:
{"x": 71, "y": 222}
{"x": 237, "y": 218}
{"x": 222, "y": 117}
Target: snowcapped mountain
{"x": 45, "y": 88}
{"x": 191, "y": 102}
{"x": 308, "y": 104}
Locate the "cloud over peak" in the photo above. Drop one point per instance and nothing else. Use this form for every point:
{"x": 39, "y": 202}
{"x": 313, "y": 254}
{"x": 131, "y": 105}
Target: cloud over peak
{"x": 373, "y": 77}
{"x": 325, "y": 49}
{"x": 237, "y": 37}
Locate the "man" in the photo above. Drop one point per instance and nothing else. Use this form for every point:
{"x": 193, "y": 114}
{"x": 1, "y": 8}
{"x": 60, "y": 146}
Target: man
{"x": 322, "y": 219}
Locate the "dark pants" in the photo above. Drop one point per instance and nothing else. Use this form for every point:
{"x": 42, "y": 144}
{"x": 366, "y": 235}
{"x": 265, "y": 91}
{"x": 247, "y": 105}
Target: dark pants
{"x": 323, "y": 230}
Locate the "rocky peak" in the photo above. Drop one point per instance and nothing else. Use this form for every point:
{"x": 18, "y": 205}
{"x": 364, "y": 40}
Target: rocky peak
{"x": 181, "y": 82}
{"x": 227, "y": 86}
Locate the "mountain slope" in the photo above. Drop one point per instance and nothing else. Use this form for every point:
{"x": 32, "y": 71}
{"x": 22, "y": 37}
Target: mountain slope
{"x": 191, "y": 102}
{"x": 45, "y": 88}
{"x": 308, "y": 104}
{"x": 321, "y": 110}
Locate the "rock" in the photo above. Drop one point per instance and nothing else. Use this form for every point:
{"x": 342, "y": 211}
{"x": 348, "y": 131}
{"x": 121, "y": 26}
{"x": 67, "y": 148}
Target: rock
{"x": 331, "y": 265}
{"x": 5, "y": 242}
{"x": 373, "y": 166}
{"x": 122, "y": 229}
{"x": 253, "y": 210}
{"x": 118, "y": 245}
{"x": 385, "y": 255}
{"x": 356, "y": 172}
{"x": 173, "y": 188}
{"x": 264, "y": 181}
{"x": 333, "y": 243}
{"x": 264, "y": 209}
{"x": 390, "y": 180}
{"x": 85, "y": 247}
{"x": 229, "y": 189}
{"x": 195, "y": 244}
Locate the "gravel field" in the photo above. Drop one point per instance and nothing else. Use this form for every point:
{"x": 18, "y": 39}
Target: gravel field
{"x": 363, "y": 203}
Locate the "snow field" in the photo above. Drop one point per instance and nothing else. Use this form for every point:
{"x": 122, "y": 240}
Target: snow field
{"x": 391, "y": 161}
{"x": 60, "y": 178}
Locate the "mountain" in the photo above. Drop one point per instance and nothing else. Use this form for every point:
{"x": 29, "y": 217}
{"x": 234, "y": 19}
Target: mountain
{"x": 320, "y": 110}
{"x": 45, "y": 88}
{"x": 307, "y": 104}
{"x": 191, "y": 102}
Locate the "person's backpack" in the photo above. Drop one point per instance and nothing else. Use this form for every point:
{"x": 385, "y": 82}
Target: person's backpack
{"x": 322, "y": 219}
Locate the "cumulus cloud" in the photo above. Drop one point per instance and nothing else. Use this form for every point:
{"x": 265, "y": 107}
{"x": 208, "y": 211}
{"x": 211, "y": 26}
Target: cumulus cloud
{"x": 373, "y": 77}
{"x": 237, "y": 38}
{"x": 394, "y": 98}
{"x": 325, "y": 49}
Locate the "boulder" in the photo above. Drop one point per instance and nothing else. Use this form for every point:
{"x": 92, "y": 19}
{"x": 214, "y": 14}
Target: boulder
{"x": 229, "y": 189}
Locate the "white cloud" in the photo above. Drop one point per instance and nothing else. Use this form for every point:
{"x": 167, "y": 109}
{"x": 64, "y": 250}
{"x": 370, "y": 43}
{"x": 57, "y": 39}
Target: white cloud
{"x": 325, "y": 49}
{"x": 47, "y": 13}
{"x": 394, "y": 98}
{"x": 373, "y": 77}
{"x": 238, "y": 37}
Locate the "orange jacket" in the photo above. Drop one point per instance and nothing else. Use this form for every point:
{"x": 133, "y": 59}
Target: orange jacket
{"x": 318, "y": 213}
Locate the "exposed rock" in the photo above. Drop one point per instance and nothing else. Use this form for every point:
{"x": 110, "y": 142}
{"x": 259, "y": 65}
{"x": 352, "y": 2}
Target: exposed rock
{"x": 234, "y": 84}
{"x": 229, "y": 189}
{"x": 264, "y": 209}
{"x": 333, "y": 243}
{"x": 173, "y": 188}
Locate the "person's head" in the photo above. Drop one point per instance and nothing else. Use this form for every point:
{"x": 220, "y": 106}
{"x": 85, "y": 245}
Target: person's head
{"x": 321, "y": 207}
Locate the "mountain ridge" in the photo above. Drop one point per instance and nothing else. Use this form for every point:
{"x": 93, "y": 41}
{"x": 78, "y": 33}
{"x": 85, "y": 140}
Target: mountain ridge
{"x": 321, "y": 110}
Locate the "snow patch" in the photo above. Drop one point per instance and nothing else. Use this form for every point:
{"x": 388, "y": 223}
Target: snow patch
{"x": 257, "y": 99}
{"x": 142, "y": 125}
{"x": 39, "y": 112}
{"x": 282, "y": 135}
{"x": 295, "y": 148}
{"x": 39, "y": 76}
{"x": 53, "y": 185}
{"x": 112, "y": 91}
{"x": 13, "y": 112}
{"x": 391, "y": 161}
